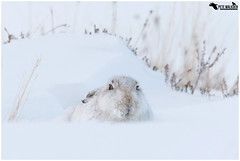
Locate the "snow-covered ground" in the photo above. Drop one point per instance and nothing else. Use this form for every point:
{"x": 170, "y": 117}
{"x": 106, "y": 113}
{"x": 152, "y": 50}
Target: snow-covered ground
{"x": 184, "y": 126}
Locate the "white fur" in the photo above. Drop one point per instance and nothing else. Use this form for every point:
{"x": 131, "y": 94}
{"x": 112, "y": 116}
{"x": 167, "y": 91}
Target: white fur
{"x": 123, "y": 103}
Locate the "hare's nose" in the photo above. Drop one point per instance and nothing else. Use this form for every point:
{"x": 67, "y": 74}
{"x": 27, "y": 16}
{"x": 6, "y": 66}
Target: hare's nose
{"x": 127, "y": 96}
{"x": 126, "y": 92}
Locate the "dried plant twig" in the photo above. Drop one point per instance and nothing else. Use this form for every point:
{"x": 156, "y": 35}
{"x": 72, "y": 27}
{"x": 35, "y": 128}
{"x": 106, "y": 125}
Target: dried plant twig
{"x": 15, "y": 111}
{"x": 143, "y": 29}
{"x": 205, "y": 65}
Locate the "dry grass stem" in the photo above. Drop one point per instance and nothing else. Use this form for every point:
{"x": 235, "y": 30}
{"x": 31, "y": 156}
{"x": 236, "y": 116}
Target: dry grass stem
{"x": 15, "y": 111}
{"x": 143, "y": 28}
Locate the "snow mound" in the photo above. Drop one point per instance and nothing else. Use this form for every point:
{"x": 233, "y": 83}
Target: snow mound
{"x": 70, "y": 66}
{"x": 184, "y": 126}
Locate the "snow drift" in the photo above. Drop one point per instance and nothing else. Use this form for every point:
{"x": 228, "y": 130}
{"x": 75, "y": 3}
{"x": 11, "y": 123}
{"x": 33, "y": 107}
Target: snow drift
{"x": 185, "y": 126}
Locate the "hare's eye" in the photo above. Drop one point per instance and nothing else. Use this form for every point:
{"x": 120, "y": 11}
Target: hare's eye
{"x": 137, "y": 87}
{"x": 110, "y": 87}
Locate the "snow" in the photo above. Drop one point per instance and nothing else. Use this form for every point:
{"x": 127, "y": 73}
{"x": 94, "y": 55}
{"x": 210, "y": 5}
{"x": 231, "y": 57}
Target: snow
{"x": 184, "y": 126}
{"x": 191, "y": 132}
{"x": 202, "y": 133}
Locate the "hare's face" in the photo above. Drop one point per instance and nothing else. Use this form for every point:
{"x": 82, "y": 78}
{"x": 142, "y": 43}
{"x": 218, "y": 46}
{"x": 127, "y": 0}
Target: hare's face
{"x": 120, "y": 98}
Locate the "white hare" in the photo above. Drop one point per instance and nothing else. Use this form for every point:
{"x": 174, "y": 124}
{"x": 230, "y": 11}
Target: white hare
{"x": 121, "y": 99}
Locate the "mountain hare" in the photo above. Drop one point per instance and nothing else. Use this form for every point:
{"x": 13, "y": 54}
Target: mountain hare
{"x": 121, "y": 99}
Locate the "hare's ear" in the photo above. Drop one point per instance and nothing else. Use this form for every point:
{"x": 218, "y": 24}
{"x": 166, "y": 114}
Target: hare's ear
{"x": 85, "y": 100}
{"x": 91, "y": 93}
{"x": 89, "y": 96}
